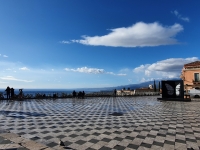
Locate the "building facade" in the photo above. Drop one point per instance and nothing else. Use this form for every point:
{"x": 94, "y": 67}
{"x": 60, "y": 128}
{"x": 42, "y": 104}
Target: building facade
{"x": 191, "y": 75}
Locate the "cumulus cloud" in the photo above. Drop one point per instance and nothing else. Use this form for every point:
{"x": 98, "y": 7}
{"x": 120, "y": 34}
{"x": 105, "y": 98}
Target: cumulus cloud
{"x": 138, "y": 35}
{"x": 11, "y": 78}
{"x": 23, "y": 68}
{"x": 168, "y": 68}
{"x": 5, "y": 56}
{"x": 179, "y": 16}
{"x": 87, "y": 70}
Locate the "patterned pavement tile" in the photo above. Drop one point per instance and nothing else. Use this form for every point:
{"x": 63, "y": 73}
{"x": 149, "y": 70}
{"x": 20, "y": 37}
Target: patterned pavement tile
{"x": 91, "y": 123}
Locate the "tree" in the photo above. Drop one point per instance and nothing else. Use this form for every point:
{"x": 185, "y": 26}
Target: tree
{"x": 154, "y": 86}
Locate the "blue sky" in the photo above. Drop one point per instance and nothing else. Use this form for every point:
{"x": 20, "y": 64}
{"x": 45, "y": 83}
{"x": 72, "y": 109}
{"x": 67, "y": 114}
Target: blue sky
{"x": 84, "y": 44}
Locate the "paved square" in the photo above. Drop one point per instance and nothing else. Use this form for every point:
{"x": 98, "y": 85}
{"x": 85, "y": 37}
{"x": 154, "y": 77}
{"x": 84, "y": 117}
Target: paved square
{"x": 105, "y": 123}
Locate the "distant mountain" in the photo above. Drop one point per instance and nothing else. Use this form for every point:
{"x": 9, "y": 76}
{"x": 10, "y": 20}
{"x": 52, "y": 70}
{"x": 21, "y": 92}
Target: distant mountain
{"x": 131, "y": 86}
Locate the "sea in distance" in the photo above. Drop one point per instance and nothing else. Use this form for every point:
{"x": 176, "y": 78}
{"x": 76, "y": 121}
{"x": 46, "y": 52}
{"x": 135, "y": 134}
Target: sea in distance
{"x": 33, "y": 92}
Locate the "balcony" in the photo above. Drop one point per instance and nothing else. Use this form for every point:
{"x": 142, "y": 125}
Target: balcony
{"x": 196, "y": 82}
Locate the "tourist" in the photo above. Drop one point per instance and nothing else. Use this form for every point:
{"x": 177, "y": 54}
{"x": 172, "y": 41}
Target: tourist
{"x": 74, "y": 94}
{"x": 20, "y": 93}
{"x": 83, "y": 94}
{"x": 115, "y": 92}
{"x": 8, "y": 92}
{"x": 12, "y": 91}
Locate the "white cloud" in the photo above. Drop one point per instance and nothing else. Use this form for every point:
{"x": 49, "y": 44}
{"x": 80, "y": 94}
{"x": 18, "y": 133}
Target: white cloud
{"x": 179, "y": 16}
{"x": 93, "y": 71}
{"x": 138, "y": 35}
{"x": 11, "y": 78}
{"x": 168, "y": 68}
{"x": 65, "y": 42}
{"x": 23, "y": 68}
{"x": 5, "y": 56}
{"x": 140, "y": 68}
{"x": 87, "y": 70}
{"x": 119, "y": 74}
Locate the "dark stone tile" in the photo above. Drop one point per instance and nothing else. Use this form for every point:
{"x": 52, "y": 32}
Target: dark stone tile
{"x": 94, "y": 141}
{"x": 126, "y": 131}
{"x": 45, "y": 132}
{"x": 133, "y": 146}
{"x": 90, "y": 148}
{"x": 107, "y": 133}
{"x": 158, "y": 144}
{"x": 191, "y": 140}
{"x": 163, "y": 135}
{"x": 35, "y": 138}
{"x": 67, "y": 130}
{"x": 140, "y": 136}
{"x": 56, "y": 131}
{"x": 80, "y": 142}
{"x": 118, "y": 138}
{"x": 52, "y": 144}
{"x": 48, "y": 137}
{"x": 105, "y": 148}
{"x": 119, "y": 147}
{"x": 129, "y": 137}
{"x": 146, "y": 145}
{"x": 150, "y": 135}
{"x": 169, "y": 142}
{"x": 73, "y": 135}
{"x": 96, "y": 134}
{"x": 61, "y": 136}
{"x": 106, "y": 140}
{"x": 78, "y": 130}
{"x": 180, "y": 141}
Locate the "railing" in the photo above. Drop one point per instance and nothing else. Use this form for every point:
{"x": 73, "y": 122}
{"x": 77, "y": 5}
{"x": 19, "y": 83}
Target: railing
{"x": 196, "y": 81}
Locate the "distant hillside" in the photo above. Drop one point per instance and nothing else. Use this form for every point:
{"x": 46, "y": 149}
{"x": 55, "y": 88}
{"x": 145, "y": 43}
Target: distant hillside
{"x": 131, "y": 86}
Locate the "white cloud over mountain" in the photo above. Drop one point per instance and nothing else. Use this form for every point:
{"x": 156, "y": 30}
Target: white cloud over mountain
{"x": 168, "y": 68}
{"x": 139, "y": 34}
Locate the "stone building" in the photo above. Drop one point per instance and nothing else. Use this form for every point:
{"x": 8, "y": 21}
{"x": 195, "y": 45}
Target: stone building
{"x": 190, "y": 75}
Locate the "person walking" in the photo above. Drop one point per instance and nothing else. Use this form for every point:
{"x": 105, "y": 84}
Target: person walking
{"x": 8, "y": 92}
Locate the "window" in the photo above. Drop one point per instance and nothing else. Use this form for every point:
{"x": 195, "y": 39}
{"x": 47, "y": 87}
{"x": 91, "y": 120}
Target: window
{"x": 196, "y": 77}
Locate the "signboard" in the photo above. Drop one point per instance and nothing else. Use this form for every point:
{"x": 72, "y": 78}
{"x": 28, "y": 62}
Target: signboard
{"x": 172, "y": 89}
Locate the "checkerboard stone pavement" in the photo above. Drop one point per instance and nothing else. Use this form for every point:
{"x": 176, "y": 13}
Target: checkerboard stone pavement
{"x": 90, "y": 124}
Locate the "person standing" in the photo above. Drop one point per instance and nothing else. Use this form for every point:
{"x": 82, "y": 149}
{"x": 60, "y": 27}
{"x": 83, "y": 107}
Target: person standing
{"x": 8, "y": 92}
{"x": 20, "y": 94}
{"x": 12, "y": 91}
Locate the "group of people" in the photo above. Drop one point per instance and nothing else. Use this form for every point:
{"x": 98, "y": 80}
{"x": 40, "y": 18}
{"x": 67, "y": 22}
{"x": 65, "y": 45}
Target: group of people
{"x": 10, "y": 93}
{"x": 79, "y": 95}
